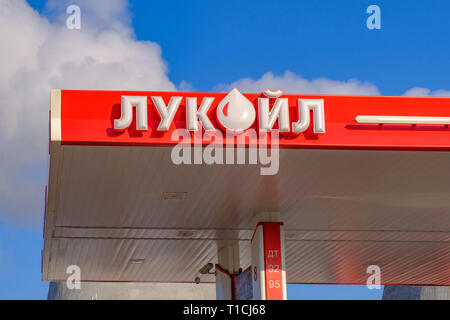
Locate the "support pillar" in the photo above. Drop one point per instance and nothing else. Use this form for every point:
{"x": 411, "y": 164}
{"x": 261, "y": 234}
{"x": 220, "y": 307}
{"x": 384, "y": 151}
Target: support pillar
{"x": 268, "y": 265}
{"x": 227, "y": 267}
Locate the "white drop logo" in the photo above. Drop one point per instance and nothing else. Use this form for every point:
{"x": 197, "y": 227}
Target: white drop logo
{"x": 235, "y": 112}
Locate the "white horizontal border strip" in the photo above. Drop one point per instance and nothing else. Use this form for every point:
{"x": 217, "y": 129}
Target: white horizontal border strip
{"x": 400, "y": 119}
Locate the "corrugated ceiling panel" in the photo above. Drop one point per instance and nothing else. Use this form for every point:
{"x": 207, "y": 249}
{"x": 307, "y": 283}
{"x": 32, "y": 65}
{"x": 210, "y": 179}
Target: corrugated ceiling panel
{"x": 342, "y": 211}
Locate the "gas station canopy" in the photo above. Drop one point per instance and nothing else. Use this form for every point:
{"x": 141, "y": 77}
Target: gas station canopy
{"x": 367, "y": 182}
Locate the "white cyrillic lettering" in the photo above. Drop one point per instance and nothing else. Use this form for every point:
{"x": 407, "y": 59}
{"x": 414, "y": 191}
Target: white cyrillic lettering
{"x": 304, "y": 106}
{"x": 127, "y": 104}
{"x": 280, "y": 111}
{"x": 272, "y": 253}
{"x": 192, "y": 114}
{"x": 166, "y": 112}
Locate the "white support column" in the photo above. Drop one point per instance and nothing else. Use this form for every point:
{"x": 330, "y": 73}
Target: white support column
{"x": 268, "y": 265}
{"x": 228, "y": 266}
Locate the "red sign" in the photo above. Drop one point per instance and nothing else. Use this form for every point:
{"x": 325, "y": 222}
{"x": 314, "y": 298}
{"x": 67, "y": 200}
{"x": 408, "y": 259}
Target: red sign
{"x": 303, "y": 121}
{"x": 273, "y": 261}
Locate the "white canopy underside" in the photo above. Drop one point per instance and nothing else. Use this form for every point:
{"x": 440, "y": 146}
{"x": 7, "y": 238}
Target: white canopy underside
{"x": 342, "y": 210}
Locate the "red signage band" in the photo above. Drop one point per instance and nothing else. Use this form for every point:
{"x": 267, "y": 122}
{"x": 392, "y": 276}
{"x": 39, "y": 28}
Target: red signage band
{"x": 273, "y": 261}
{"x": 350, "y": 122}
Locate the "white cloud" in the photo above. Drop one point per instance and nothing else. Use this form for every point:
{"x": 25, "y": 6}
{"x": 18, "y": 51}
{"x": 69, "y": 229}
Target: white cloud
{"x": 38, "y": 54}
{"x": 292, "y": 83}
{"x": 186, "y": 86}
{"x": 425, "y": 92}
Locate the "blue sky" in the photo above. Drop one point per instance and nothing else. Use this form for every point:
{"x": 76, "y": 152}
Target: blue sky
{"x": 208, "y": 43}
{"x": 211, "y": 42}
